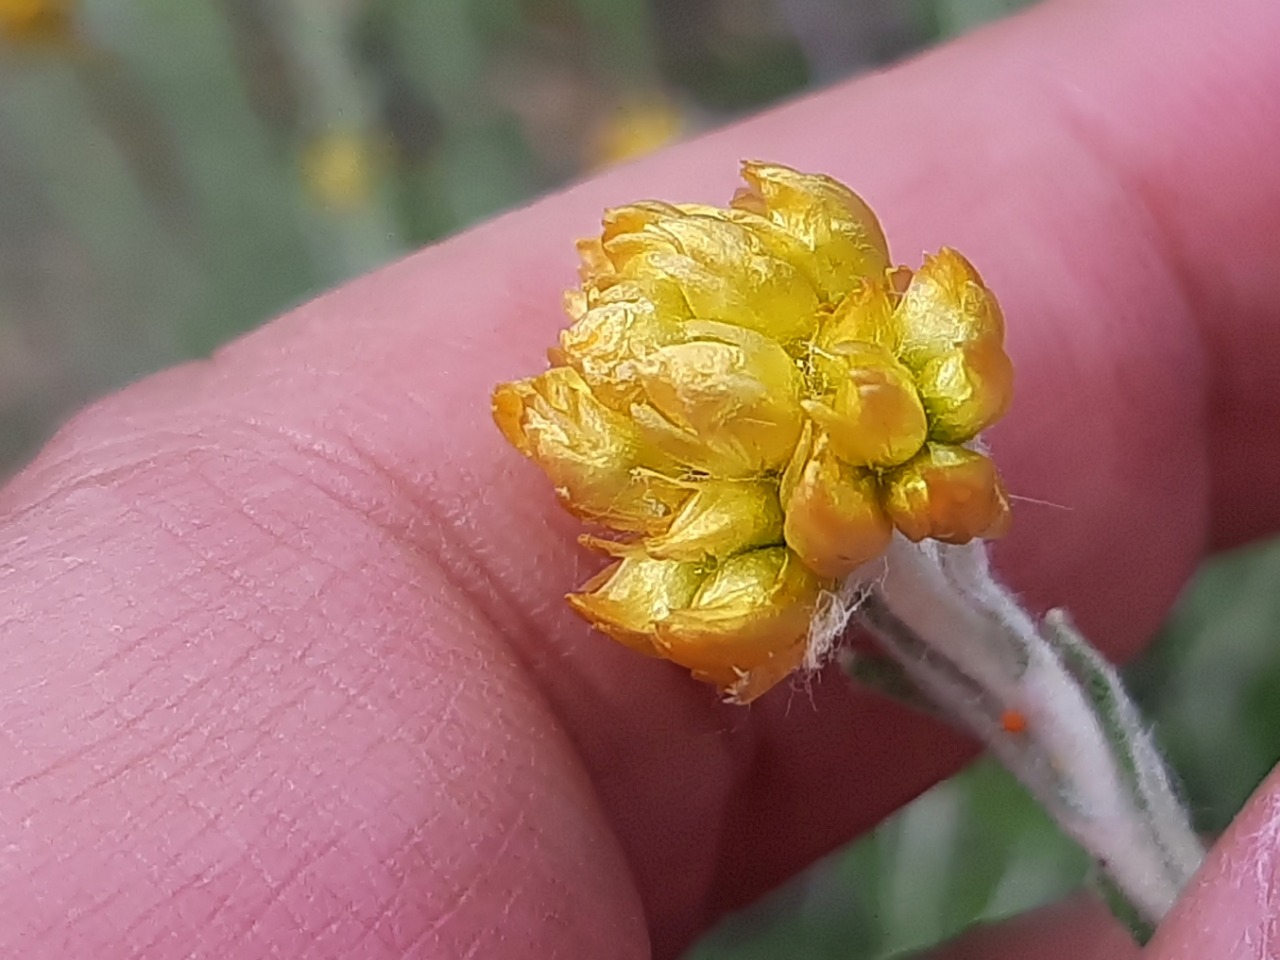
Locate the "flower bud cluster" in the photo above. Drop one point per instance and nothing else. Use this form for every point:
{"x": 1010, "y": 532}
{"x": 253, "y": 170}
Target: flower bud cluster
{"x": 751, "y": 400}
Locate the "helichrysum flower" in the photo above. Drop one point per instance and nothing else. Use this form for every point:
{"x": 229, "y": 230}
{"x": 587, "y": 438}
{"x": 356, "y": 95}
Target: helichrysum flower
{"x": 751, "y": 400}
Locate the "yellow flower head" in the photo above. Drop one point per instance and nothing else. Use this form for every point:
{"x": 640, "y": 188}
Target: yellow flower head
{"x": 751, "y": 400}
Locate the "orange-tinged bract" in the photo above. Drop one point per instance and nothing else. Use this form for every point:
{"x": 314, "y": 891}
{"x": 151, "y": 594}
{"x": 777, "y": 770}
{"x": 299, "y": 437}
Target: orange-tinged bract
{"x": 833, "y": 515}
{"x": 947, "y": 493}
{"x": 751, "y": 400}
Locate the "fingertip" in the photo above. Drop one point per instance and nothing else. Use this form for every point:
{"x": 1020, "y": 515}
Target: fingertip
{"x": 1232, "y": 907}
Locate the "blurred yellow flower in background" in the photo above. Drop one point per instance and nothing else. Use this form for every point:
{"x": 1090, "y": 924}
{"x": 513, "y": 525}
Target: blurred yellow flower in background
{"x": 633, "y": 129}
{"x": 36, "y": 21}
{"x": 339, "y": 169}
{"x": 752, "y": 399}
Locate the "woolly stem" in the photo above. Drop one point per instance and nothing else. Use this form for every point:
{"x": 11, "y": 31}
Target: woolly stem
{"x": 1043, "y": 701}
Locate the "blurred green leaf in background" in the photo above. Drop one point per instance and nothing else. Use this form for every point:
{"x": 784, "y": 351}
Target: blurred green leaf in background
{"x": 178, "y": 171}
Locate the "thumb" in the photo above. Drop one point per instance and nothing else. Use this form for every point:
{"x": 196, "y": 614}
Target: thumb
{"x": 1232, "y": 908}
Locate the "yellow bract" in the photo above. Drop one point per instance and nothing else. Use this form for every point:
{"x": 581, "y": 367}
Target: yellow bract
{"x": 947, "y": 493}
{"x": 721, "y": 518}
{"x": 725, "y": 402}
{"x": 752, "y": 399}
{"x": 874, "y": 416}
{"x": 834, "y": 518}
{"x": 600, "y": 465}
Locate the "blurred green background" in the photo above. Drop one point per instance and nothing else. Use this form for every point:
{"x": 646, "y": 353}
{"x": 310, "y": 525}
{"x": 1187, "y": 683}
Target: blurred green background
{"x": 174, "y": 172}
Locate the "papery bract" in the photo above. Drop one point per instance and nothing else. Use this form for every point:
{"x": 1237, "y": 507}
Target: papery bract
{"x": 947, "y": 493}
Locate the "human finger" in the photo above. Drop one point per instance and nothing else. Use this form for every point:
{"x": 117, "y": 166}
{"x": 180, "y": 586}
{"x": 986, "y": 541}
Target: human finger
{"x": 353, "y": 437}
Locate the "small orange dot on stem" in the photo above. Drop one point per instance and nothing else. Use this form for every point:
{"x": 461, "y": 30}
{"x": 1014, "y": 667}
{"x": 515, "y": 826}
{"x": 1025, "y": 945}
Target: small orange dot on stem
{"x": 1013, "y": 721}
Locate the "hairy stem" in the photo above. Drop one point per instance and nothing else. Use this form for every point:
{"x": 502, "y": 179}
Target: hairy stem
{"x": 1047, "y": 704}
